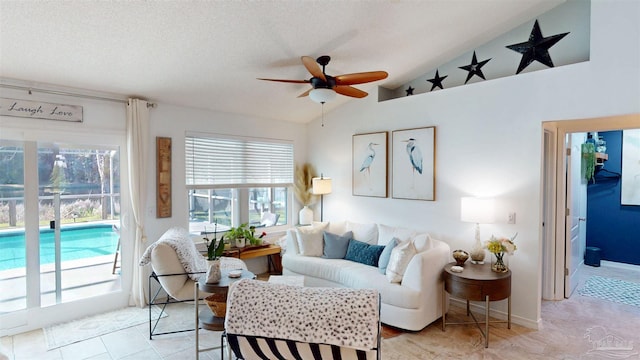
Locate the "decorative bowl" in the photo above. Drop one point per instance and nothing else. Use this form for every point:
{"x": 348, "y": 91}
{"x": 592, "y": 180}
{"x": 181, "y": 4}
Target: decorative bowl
{"x": 460, "y": 256}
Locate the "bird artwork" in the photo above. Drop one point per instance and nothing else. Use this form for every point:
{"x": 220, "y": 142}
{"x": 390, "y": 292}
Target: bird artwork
{"x": 368, "y": 160}
{"x": 415, "y": 156}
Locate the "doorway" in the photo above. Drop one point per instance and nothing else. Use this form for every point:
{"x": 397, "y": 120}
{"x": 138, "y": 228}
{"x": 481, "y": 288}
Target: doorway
{"x": 558, "y": 216}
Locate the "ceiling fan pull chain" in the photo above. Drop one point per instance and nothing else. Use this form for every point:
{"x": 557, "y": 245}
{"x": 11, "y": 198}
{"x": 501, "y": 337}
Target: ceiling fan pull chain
{"x": 322, "y": 121}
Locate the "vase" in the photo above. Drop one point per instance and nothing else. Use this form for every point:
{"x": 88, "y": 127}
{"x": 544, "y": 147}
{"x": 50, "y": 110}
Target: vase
{"x": 498, "y": 263}
{"x": 241, "y": 242}
{"x": 213, "y": 273}
{"x": 305, "y": 217}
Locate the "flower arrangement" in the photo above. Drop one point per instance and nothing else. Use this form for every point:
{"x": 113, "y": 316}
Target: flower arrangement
{"x": 498, "y": 246}
{"x": 501, "y": 245}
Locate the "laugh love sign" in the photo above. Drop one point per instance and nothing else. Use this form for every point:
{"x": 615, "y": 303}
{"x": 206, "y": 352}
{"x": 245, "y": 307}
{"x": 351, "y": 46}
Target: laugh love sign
{"x": 40, "y": 110}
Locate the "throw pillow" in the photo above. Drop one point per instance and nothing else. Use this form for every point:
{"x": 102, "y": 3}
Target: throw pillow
{"x": 386, "y": 255}
{"x": 401, "y": 255}
{"x": 386, "y": 233}
{"x": 363, "y": 253}
{"x": 335, "y": 246}
{"x": 310, "y": 240}
{"x": 367, "y": 233}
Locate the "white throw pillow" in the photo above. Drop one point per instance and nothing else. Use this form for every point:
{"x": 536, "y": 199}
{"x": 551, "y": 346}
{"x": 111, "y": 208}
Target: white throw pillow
{"x": 367, "y": 233}
{"x": 310, "y": 241}
{"x": 401, "y": 255}
{"x": 386, "y": 233}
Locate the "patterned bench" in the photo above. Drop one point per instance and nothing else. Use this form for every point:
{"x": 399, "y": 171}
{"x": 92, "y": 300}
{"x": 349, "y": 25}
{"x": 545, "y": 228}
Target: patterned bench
{"x": 276, "y": 321}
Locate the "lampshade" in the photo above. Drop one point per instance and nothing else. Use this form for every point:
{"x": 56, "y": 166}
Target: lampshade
{"x": 321, "y": 186}
{"x": 477, "y": 210}
{"x": 322, "y": 95}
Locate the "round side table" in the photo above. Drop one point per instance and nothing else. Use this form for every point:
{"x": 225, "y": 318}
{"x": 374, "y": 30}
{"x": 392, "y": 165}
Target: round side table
{"x": 477, "y": 283}
{"x": 206, "y": 318}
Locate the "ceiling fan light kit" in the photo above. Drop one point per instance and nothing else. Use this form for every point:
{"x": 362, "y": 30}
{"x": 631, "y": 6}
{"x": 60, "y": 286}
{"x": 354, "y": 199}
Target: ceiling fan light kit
{"x": 325, "y": 87}
{"x": 322, "y": 95}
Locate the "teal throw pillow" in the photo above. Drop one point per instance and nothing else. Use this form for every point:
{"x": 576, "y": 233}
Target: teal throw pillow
{"x": 363, "y": 253}
{"x": 386, "y": 255}
{"x": 335, "y": 246}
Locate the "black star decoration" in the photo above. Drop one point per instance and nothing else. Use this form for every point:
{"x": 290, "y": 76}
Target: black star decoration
{"x": 475, "y": 68}
{"x": 409, "y": 91}
{"x": 437, "y": 81}
{"x": 537, "y": 48}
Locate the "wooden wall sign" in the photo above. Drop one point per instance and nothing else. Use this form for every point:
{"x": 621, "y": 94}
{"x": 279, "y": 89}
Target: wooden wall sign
{"x": 163, "y": 177}
{"x": 40, "y": 110}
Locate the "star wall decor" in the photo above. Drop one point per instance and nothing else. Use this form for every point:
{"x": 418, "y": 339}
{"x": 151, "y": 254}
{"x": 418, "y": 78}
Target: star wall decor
{"x": 437, "y": 81}
{"x": 409, "y": 91}
{"x": 475, "y": 68}
{"x": 537, "y": 48}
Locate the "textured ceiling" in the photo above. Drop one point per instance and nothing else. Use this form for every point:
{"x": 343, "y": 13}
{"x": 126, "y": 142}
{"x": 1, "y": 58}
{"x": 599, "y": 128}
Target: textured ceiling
{"x": 209, "y": 54}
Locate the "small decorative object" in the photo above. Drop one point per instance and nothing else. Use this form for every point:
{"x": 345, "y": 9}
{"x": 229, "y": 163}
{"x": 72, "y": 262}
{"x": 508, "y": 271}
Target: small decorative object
{"x": 215, "y": 248}
{"x": 235, "y": 273}
{"x": 498, "y": 247}
{"x": 460, "y": 256}
{"x": 457, "y": 269}
{"x": 213, "y": 273}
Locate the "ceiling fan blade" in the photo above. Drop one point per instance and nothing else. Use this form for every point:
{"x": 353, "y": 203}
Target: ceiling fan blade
{"x": 306, "y": 93}
{"x": 287, "y": 81}
{"x": 349, "y": 91}
{"x": 313, "y": 67}
{"x": 360, "y": 78}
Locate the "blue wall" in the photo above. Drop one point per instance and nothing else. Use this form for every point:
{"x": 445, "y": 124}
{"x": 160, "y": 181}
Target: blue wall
{"x": 612, "y": 227}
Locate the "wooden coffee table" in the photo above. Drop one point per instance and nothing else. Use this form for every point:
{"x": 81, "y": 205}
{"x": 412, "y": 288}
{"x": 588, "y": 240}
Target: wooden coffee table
{"x": 476, "y": 283}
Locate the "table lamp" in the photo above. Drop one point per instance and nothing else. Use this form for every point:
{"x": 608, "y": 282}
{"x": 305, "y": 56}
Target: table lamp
{"x": 321, "y": 186}
{"x": 479, "y": 211}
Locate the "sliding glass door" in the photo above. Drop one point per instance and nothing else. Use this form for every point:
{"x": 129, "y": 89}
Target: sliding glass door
{"x": 59, "y": 223}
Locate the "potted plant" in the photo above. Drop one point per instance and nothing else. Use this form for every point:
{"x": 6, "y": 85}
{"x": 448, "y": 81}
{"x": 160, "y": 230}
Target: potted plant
{"x": 215, "y": 248}
{"x": 241, "y": 235}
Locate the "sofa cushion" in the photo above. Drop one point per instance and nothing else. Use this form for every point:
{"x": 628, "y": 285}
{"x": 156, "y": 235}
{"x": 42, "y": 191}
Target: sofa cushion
{"x": 386, "y": 233}
{"x": 354, "y": 275}
{"x": 363, "y": 253}
{"x": 383, "y": 261}
{"x": 335, "y": 246}
{"x": 367, "y": 233}
{"x": 422, "y": 242}
{"x": 310, "y": 240}
{"x": 400, "y": 257}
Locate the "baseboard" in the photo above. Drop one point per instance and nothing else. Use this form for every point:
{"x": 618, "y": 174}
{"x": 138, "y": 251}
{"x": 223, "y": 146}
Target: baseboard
{"x": 477, "y": 307}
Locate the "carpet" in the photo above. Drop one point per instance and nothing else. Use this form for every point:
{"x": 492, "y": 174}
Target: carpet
{"x": 93, "y": 326}
{"x": 615, "y": 290}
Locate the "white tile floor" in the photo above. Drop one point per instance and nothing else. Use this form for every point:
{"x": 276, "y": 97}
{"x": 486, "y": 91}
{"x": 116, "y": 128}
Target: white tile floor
{"x": 131, "y": 343}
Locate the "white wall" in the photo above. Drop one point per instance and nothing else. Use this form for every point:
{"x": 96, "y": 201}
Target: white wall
{"x": 488, "y": 143}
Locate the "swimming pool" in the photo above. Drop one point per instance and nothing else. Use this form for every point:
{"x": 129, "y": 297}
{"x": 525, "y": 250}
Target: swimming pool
{"x": 77, "y": 242}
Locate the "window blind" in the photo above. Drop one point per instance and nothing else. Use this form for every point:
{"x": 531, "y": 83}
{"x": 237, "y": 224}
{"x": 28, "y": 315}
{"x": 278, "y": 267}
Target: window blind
{"x": 220, "y": 162}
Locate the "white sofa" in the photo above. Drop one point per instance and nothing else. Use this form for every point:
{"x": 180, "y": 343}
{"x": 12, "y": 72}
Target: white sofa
{"x": 412, "y": 304}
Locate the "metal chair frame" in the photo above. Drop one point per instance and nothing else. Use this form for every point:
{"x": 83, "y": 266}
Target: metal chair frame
{"x": 170, "y": 300}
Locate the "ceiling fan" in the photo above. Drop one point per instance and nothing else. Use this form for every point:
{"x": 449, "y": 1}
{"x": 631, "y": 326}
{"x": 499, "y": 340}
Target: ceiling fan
{"x": 325, "y": 87}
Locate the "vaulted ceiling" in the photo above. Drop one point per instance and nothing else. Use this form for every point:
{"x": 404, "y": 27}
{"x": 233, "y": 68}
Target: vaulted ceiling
{"x": 208, "y": 54}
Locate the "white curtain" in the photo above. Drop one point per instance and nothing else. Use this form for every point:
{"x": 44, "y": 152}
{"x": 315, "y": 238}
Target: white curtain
{"x": 137, "y": 149}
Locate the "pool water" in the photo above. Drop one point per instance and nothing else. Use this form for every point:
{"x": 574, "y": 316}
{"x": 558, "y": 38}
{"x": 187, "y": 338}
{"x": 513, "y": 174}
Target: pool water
{"x": 75, "y": 243}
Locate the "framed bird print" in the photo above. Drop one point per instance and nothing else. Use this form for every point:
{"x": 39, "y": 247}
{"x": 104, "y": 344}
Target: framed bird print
{"x": 413, "y": 163}
{"x": 370, "y": 164}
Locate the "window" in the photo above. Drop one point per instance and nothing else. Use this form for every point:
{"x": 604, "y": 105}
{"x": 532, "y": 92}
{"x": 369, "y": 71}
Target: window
{"x": 235, "y": 180}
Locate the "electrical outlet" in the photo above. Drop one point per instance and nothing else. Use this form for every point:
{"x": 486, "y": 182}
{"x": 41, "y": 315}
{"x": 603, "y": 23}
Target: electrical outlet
{"x": 512, "y": 218}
